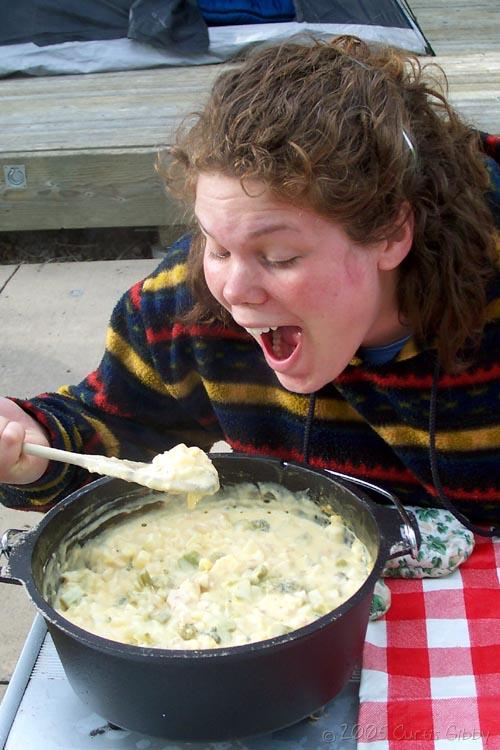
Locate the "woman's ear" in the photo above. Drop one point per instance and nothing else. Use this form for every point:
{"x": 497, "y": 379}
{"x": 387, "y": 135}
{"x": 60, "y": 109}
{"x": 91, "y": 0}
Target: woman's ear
{"x": 394, "y": 249}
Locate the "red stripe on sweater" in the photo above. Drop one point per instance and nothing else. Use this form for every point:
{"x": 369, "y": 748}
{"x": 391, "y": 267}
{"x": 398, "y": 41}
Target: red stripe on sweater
{"x": 178, "y": 330}
{"x": 209, "y": 421}
{"x": 265, "y": 450}
{"x": 135, "y": 294}
{"x": 362, "y": 471}
{"x": 459, "y": 493}
{"x": 94, "y": 444}
{"x": 481, "y": 375}
{"x": 100, "y": 398}
{"x": 369, "y": 472}
{"x": 102, "y": 402}
{"x": 492, "y": 143}
{"x": 41, "y": 416}
{"x": 94, "y": 381}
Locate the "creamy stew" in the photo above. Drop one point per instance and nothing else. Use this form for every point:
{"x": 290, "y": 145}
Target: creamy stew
{"x": 250, "y": 563}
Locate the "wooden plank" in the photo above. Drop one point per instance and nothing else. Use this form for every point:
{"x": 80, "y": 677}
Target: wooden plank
{"x": 459, "y": 26}
{"x": 473, "y": 86}
{"x": 107, "y": 110}
{"x": 88, "y": 189}
{"x": 143, "y": 108}
{"x": 88, "y": 142}
{"x": 76, "y": 177}
{"x": 88, "y": 145}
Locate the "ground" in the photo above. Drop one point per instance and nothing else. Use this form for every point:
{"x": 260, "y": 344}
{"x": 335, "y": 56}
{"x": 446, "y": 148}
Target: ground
{"x": 66, "y": 245}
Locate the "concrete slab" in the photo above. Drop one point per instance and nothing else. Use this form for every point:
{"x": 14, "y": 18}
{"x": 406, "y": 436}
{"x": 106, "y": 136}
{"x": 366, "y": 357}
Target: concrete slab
{"x": 17, "y": 612}
{"x": 54, "y": 319}
{"x": 5, "y": 273}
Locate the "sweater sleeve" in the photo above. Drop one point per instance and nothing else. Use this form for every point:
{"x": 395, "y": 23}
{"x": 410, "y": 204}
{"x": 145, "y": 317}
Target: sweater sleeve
{"x": 128, "y": 406}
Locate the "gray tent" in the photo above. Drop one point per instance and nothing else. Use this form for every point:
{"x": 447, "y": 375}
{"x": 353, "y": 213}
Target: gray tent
{"x": 47, "y": 37}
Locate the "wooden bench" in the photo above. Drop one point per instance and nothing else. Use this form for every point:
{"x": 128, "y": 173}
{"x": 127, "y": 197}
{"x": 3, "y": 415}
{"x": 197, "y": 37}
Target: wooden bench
{"x": 79, "y": 151}
{"x": 87, "y": 146}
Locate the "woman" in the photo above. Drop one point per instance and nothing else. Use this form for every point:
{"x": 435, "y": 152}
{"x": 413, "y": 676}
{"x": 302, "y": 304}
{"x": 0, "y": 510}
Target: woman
{"x": 338, "y": 302}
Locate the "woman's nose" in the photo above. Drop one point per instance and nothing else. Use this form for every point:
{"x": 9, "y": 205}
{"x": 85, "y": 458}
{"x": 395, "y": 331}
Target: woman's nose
{"x": 243, "y": 285}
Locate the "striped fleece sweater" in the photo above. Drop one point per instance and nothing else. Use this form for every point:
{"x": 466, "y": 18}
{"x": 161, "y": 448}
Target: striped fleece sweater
{"x": 161, "y": 382}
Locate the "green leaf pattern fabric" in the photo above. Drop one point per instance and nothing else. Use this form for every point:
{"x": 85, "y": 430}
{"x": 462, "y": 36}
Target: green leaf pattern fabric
{"x": 445, "y": 545}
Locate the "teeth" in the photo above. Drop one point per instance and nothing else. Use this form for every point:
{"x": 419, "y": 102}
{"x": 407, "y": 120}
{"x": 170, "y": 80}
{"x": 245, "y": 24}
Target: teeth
{"x": 260, "y": 331}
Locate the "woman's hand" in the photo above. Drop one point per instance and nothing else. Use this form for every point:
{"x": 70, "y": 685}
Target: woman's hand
{"x": 16, "y": 428}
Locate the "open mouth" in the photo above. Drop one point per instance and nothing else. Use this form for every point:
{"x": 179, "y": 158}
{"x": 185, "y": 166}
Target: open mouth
{"x": 279, "y": 342}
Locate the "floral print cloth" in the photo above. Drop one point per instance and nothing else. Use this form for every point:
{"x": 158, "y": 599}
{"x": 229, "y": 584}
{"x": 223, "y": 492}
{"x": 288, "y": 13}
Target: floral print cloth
{"x": 445, "y": 545}
{"x": 381, "y": 600}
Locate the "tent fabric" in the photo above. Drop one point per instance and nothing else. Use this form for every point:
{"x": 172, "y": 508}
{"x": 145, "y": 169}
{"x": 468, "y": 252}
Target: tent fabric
{"x": 81, "y": 36}
{"x": 45, "y": 22}
{"x": 379, "y": 13}
{"x": 169, "y": 25}
{"x": 230, "y": 13}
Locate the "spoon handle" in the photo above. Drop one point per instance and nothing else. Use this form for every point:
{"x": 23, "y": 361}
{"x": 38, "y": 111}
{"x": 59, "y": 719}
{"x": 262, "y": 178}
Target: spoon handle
{"x": 196, "y": 481}
{"x": 54, "y": 454}
{"x": 94, "y": 463}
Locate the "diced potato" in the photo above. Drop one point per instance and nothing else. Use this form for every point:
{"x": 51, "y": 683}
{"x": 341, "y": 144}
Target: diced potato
{"x": 249, "y": 564}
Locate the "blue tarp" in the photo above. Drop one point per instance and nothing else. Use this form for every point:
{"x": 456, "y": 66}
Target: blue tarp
{"x": 231, "y": 13}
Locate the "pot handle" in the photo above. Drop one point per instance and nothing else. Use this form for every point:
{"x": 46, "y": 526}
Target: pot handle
{"x": 7, "y": 542}
{"x": 409, "y": 541}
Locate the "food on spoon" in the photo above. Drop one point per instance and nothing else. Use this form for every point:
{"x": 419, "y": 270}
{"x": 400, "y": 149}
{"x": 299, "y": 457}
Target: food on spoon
{"x": 189, "y": 470}
{"x": 250, "y": 563}
{"x": 178, "y": 470}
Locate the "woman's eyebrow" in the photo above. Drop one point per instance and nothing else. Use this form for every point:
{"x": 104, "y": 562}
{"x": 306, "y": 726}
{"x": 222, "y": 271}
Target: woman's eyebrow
{"x": 269, "y": 228}
{"x": 259, "y": 231}
{"x": 202, "y": 227}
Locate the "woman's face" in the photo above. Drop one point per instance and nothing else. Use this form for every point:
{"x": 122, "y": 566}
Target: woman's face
{"x": 308, "y": 294}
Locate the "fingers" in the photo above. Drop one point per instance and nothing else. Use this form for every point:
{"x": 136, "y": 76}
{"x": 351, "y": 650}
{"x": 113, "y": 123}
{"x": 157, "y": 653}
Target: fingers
{"x": 15, "y": 467}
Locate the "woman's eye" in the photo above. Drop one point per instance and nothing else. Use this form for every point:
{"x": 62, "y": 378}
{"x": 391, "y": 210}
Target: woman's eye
{"x": 285, "y": 263}
{"x": 217, "y": 254}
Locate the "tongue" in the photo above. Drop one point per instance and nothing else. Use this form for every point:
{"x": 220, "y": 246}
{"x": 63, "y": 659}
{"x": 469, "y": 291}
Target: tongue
{"x": 281, "y": 343}
{"x": 290, "y": 335}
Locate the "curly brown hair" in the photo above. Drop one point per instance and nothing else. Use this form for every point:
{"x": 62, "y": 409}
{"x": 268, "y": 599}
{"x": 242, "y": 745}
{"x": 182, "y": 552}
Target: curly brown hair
{"x": 355, "y": 133}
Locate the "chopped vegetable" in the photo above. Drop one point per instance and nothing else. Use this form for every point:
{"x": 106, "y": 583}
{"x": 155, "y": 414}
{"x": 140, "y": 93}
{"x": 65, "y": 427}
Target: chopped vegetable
{"x": 241, "y": 567}
{"x": 188, "y": 631}
{"x": 193, "y": 558}
{"x": 260, "y": 524}
{"x": 144, "y": 579}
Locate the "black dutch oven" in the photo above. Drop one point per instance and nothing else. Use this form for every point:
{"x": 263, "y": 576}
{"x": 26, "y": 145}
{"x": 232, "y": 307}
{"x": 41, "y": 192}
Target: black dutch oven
{"x": 212, "y": 694}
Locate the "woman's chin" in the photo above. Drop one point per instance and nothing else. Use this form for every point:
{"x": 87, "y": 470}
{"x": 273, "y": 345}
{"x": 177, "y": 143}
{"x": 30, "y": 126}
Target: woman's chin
{"x": 302, "y": 384}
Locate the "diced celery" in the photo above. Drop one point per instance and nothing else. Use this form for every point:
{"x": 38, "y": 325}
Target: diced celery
{"x": 144, "y": 579}
{"x": 192, "y": 558}
{"x": 188, "y": 631}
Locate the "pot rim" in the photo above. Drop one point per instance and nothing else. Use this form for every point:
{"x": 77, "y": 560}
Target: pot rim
{"x": 22, "y": 553}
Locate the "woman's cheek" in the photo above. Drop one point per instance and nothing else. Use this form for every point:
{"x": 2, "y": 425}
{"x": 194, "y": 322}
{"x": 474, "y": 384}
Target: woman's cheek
{"x": 213, "y": 278}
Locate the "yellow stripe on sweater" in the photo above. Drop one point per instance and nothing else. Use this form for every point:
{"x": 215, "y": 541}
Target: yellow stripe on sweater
{"x": 493, "y": 310}
{"x": 247, "y": 393}
{"x": 166, "y": 279}
{"x": 446, "y": 440}
{"x": 183, "y": 387}
{"x": 132, "y": 362}
{"x": 410, "y": 349}
{"x": 48, "y": 486}
{"x": 111, "y": 444}
{"x": 107, "y": 437}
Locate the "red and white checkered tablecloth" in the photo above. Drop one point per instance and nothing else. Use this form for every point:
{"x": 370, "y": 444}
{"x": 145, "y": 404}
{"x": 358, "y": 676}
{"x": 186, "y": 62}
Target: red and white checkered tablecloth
{"x": 431, "y": 666}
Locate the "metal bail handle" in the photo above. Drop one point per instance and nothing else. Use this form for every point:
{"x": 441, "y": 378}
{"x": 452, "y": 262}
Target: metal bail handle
{"x": 408, "y": 543}
{"x": 7, "y": 542}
